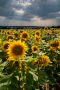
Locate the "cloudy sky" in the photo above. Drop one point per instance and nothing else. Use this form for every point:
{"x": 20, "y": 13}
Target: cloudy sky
{"x": 29, "y": 12}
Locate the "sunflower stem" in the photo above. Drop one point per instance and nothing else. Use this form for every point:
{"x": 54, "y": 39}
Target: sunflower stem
{"x": 38, "y": 69}
{"x": 23, "y": 76}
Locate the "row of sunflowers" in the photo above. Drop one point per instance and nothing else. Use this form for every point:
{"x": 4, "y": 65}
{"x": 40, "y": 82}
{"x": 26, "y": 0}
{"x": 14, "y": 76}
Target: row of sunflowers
{"x": 30, "y": 59}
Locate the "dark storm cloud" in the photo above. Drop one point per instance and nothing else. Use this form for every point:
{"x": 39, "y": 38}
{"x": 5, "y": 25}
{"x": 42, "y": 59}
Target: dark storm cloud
{"x": 44, "y": 8}
{"x": 41, "y": 8}
{"x": 6, "y": 8}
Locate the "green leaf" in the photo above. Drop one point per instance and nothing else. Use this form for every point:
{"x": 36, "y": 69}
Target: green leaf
{"x": 35, "y": 77}
{"x": 29, "y": 79}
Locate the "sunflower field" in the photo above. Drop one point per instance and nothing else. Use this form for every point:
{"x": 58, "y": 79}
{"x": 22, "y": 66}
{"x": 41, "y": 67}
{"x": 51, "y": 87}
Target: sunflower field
{"x": 30, "y": 59}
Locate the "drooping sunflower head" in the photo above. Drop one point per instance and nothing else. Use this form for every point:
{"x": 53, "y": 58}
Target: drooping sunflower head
{"x": 17, "y": 49}
{"x": 55, "y": 45}
{"x": 44, "y": 60}
{"x": 34, "y": 49}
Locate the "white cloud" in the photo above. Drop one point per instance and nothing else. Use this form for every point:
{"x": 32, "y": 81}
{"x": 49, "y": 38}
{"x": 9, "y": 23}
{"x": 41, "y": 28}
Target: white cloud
{"x": 26, "y": 4}
{"x": 59, "y": 12}
{"x": 20, "y": 11}
{"x": 35, "y": 18}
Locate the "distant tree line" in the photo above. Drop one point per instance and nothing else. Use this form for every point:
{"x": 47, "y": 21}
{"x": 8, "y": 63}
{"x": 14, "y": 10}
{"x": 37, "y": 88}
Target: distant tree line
{"x": 26, "y": 27}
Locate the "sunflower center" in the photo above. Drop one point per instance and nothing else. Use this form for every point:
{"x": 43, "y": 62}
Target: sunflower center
{"x": 37, "y": 33}
{"x": 37, "y": 39}
{"x": 44, "y": 60}
{"x": 55, "y": 44}
{"x": 21, "y": 31}
{"x": 7, "y": 32}
{"x": 35, "y": 49}
{"x": 6, "y": 46}
{"x": 17, "y": 50}
{"x": 10, "y": 37}
{"x": 24, "y": 35}
{"x": 16, "y": 34}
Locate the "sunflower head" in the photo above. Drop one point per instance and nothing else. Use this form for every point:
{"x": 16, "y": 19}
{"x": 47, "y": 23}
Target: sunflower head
{"x": 44, "y": 60}
{"x": 17, "y": 49}
{"x": 5, "y": 45}
{"x": 55, "y": 45}
{"x": 16, "y": 34}
{"x": 37, "y": 33}
{"x": 34, "y": 49}
{"x": 9, "y": 37}
{"x": 37, "y": 38}
{"x": 21, "y": 31}
{"x": 8, "y": 32}
{"x": 25, "y": 35}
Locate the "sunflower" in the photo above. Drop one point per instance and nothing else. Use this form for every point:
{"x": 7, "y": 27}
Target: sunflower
{"x": 55, "y": 45}
{"x": 21, "y": 31}
{"x": 17, "y": 49}
{"x": 5, "y": 45}
{"x": 16, "y": 34}
{"x": 37, "y": 38}
{"x": 44, "y": 60}
{"x": 34, "y": 49}
{"x": 9, "y": 37}
{"x": 25, "y": 35}
{"x": 37, "y": 33}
